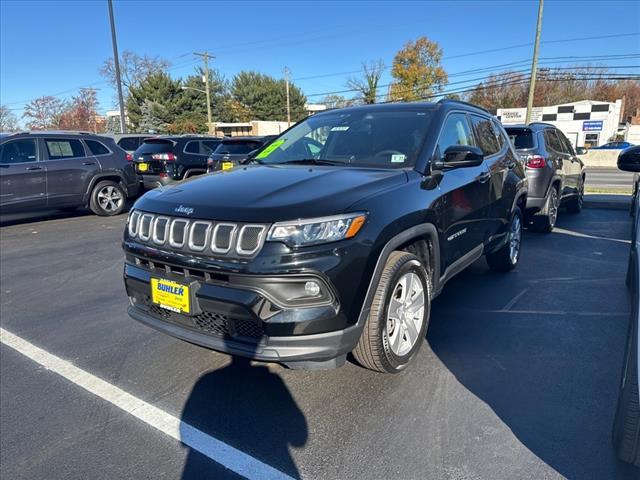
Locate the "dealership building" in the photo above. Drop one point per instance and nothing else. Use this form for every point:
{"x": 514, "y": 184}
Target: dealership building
{"x": 586, "y": 123}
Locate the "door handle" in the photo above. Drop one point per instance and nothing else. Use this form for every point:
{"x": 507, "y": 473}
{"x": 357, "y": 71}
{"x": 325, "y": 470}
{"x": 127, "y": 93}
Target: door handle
{"x": 88, "y": 163}
{"x": 483, "y": 177}
{"x": 34, "y": 168}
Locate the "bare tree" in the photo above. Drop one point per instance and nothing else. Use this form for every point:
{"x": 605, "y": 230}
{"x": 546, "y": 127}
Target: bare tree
{"x": 133, "y": 68}
{"x": 367, "y": 86}
{"x": 8, "y": 120}
{"x": 44, "y": 113}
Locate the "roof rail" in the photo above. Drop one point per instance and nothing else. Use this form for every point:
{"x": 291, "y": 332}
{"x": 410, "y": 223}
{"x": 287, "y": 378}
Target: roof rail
{"x": 451, "y": 100}
{"x": 58, "y": 132}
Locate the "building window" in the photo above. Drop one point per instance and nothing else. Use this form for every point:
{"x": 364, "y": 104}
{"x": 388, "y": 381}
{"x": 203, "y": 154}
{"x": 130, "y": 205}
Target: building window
{"x": 603, "y": 107}
{"x": 582, "y": 116}
{"x": 566, "y": 109}
{"x": 549, "y": 117}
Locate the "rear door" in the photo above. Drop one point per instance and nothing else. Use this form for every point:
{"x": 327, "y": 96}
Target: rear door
{"x": 575, "y": 164}
{"x": 497, "y": 157}
{"x": 561, "y": 159}
{"x": 69, "y": 169}
{"x": 23, "y": 182}
{"x": 464, "y": 206}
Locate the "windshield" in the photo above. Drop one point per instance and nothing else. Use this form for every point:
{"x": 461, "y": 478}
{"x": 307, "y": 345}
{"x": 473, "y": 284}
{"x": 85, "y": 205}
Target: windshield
{"x": 362, "y": 138}
{"x": 521, "y": 138}
{"x": 236, "y": 148}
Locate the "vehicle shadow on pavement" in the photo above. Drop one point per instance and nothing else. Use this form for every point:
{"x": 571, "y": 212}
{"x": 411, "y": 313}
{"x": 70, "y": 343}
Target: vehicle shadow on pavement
{"x": 548, "y": 365}
{"x": 250, "y": 408}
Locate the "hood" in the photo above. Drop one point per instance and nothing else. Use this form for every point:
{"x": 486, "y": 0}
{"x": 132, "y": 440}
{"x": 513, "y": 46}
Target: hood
{"x": 270, "y": 193}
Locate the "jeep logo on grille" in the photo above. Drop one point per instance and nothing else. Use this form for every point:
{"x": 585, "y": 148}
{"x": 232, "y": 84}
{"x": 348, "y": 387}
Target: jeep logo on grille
{"x": 183, "y": 209}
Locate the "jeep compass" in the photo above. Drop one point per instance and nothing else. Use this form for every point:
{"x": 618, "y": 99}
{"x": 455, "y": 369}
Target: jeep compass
{"x": 306, "y": 254}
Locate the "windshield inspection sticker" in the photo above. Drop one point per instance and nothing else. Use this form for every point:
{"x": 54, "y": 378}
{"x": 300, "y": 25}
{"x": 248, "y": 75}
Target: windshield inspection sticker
{"x": 340, "y": 128}
{"x": 398, "y": 158}
{"x": 269, "y": 150}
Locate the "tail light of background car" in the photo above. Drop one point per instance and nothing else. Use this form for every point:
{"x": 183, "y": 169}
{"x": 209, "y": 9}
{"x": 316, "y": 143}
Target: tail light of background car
{"x": 129, "y": 157}
{"x": 534, "y": 161}
{"x": 169, "y": 157}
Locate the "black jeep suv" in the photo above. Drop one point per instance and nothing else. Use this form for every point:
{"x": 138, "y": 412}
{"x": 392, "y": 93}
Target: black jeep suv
{"x": 163, "y": 160}
{"x": 556, "y": 175}
{"x": 64, "y": 170}
{"x": 304, "y": 255}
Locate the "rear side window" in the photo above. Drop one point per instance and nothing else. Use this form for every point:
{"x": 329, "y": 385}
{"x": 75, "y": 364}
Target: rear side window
{"x": 155, "y": 145}
{"x": 129, "y": 143}
{"x": 97, "y": 148}
{"x": 19, "y": 151}
{"x": 200, "y": 147}
{"x": 521, "y": 138}
{"x": 236, "y": 148}
{"x": 485, "y": 135}
{"x": 61, "y": 148}
{"x": 553, "y": 141}
{"x": 455, "y": 132}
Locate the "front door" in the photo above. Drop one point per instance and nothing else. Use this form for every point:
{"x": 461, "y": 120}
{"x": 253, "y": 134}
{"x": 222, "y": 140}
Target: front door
{"x": 23, "y": 183}
{"x": 69, "y": 169}
{"x": 464, "y": 208}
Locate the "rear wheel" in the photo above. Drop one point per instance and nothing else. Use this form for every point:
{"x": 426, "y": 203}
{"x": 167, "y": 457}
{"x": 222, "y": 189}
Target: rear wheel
{"x": 395, "y": 328}
{"x": 107, "y": 198}
{"x": 506, "y": 258}
{"x": 575, "y": 204}
{"x": 545, "y": 220}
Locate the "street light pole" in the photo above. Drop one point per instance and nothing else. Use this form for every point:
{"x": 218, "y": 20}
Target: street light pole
{"x": 534, "y": 64}
{"x": 205, "y": 56}
{"x": 116, "y": 63}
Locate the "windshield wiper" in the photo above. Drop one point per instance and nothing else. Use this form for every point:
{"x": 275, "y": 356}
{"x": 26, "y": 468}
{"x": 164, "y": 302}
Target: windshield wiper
{"x": 315, "y": 161}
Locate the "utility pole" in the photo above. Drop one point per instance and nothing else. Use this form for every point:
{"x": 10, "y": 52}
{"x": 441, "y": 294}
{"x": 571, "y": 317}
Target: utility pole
{"x": 534, "y": 64}
{"x": 286, "y": 80}
{"x": 205, "y": 56}
{"x": 116, "y": 63}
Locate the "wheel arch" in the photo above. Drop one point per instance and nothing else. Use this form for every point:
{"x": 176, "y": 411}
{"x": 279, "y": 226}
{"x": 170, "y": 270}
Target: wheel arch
{"x": 423, "y": 239}
{"x": 114, "y": 177}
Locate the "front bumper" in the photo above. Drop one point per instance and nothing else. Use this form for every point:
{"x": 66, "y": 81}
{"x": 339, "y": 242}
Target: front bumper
{"x": 242, "y": 321}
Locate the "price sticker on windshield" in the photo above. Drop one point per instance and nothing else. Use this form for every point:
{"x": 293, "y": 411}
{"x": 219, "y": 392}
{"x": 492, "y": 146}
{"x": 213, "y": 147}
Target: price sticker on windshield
{"x": 270, "y": 149}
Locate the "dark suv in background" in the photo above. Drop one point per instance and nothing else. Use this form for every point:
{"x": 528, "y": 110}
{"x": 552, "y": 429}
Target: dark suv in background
{"x": 306, "y": 254}
{"x": 64, "y": 170}
{"x": 167, "y": 159}
{"x": 234, "y": 151}
{"x": 556, "y": 174}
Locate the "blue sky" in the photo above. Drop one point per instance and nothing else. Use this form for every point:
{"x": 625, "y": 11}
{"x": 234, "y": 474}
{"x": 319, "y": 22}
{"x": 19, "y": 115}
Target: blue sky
{"x": 55, "y": 47}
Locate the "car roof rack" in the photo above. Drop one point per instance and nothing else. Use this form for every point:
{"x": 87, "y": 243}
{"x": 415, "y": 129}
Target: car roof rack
{"x": 461, "y": 102}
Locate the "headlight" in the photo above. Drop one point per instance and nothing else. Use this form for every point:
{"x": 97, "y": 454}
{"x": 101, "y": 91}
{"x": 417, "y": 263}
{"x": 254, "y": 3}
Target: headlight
{"x": 299, "y": 233}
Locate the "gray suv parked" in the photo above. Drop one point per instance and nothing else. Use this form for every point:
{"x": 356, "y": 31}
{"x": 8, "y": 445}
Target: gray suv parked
{"x": 64, "y": 170}
{"x": 556, "y": 175}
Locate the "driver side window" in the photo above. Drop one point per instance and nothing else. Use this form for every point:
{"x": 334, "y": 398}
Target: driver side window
{"x": 455, "y": 131}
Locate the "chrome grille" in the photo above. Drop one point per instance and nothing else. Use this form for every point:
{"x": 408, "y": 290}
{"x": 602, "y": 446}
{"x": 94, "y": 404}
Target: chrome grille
{"x": 223, "y": 239}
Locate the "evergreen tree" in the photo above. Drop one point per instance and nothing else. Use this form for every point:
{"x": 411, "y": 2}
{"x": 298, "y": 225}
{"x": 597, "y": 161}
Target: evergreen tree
{"x": 161, "y": 98}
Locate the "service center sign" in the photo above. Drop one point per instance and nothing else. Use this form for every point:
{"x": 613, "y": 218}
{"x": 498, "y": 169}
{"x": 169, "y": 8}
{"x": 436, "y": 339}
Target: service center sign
{"x": 591, "y": 125}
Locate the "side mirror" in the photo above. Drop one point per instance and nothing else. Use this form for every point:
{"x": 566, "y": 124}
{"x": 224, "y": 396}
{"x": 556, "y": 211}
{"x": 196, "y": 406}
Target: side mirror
{"x": 629, "y": 160}
{"x": 460, "y": 156}
{"x": 581, "y": 151}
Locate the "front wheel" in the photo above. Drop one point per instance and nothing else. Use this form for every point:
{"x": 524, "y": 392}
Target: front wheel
{"x": 397, "y": 322}
{"x": 107, "y": 198}
{"x": 506, "y": 257}
{"x": 576, "y": 203}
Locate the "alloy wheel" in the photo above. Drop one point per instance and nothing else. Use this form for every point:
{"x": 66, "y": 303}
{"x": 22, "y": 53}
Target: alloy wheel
{"x": 405, "y": 314}
{"x": 110, "y": 198}
{"x": 515, "y": 235}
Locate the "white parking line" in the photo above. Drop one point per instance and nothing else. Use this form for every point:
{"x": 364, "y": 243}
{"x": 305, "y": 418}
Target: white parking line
{"x": 217, "y": 450}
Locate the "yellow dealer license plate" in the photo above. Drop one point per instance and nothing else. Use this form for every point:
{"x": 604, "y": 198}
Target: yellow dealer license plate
{"x": 143, "y": 167}
{"x": 227, "y": 165}
{"x": 170, "y": 295}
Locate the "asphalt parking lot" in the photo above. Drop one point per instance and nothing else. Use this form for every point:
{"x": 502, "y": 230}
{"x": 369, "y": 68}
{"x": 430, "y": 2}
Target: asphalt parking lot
{"x": 517, "y": 379}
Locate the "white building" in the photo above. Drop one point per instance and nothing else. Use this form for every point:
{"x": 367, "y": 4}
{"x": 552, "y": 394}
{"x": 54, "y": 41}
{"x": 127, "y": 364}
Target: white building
{"x": 586, "y": 123}
{"x": 256, "y": 127}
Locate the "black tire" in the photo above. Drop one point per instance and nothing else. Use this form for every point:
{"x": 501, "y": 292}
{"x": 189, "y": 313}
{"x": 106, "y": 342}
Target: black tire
{"x": 544, "y": 220}
{"x": 576, "y": 203}
{"x": 374, "y": 350}
{"x": 503, "y": 259}
{"x": 114, "y": 191}
{"x": 626, "y": 426}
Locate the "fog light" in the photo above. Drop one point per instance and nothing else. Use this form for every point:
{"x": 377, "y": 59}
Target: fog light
{"x": 312, "y": 288}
